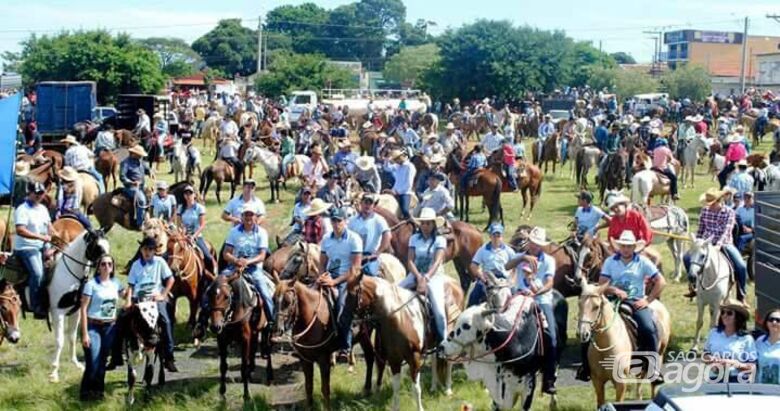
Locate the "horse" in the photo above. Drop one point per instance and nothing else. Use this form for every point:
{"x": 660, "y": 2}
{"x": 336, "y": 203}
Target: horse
{"x": 44, "y": 173}
{"x": 10, "y": 309}
{"x": 647, "y": 182}
{"x": 367, "y": 139}
{"x": 613, "y": 175}
{"x": 190, "y": 273}
{"x": 401, "y": 334}
{"x": 193, "y": 165}
{"x": 272, "y": 165}
{"x": 220, "y": 171}
{"x": 145, "y": 331}
{"x": 114, "y": 207}
{"x": 209, "y": 131}
{"x": 237, "y": 315}
{"x": 67, "y": 228}
{"x": 488, "y": 185}
{"x": 71, "y": 268}
{"x": 551, "y": 151}
{"x": 610, "y": 350}
{"x": 694, "y": 148}
{"x": 179, "y": 163}
{"x": 712, "y": 272}
{"x": 529, "y": 180}
{"x": 107, "y": 164}
{"x": 90, "y": 189}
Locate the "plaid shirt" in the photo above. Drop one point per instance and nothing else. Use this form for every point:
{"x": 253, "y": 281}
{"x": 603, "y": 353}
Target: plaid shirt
{"x": 313, "y": 230}
{"x": 717, "y": 224}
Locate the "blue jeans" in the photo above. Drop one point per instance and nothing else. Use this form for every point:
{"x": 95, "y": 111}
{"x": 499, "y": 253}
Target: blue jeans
{"x": 477, "y": 295}
{"x": 564, "y": 149}
{"x": 344, "y": 323}
{"x": 743, "y": 240}
{"x": 511, "y": 175}
{"x": 101, "y": 338}
{"x": 167, "y": 328}
{"x": 204, "y": 248}
{"x": 551, "y": 334}
{"x": 740, "y": 268}
{"x": 436, "y": 301}
{"x": 32, "y": 259}
{"x": 261, "y": 286}
{"x": 99, "y": 177}
{"x": 403, "y": 202}
{"x": 647, "y": 335}
{"x": 139, "y": 198}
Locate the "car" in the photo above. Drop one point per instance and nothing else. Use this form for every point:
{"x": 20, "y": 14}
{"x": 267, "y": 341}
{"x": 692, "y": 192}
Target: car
{"x": 558, "y": 115}
{"x": 707, "y": 397}
{"x": 101, "y": 113}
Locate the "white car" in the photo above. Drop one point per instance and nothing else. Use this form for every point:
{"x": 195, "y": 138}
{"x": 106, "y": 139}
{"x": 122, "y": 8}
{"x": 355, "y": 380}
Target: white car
{"x": 558, "y": 115}
{"x": 707, "y": 397}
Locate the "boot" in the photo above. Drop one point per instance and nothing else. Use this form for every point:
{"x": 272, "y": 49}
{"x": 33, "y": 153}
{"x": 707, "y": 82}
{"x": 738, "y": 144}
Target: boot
{"x": 691, "y": 292}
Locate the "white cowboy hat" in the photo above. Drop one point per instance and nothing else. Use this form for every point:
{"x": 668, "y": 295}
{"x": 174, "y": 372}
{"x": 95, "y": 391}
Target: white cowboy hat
{"x": 427, "y": 214}
{"x": 450, "y": 126}
{"x": 626, "y": 238}
{"x": 538, "y": 236}
{"x": 365, "y": 163}
{"x": 22, "y": 168}
{"x": 486, "y": 100}
{"x": 367, "y": 124}
{"x": 137, "y": 150}
{"x": 688, "y": 118}
{"x": 616, "y": 200}
{"x": 69, "y": 139}
{"x": 68, "y": 174}
{"x": 697, "y": 118}
{"x": 437, "y": 158}
{"x": 432, "y": 136}
{"x": 161, "y": 185}
{"x": 655, "y": 130}
{"x": 645, "y": 119}
{"x": 318, "y": 206}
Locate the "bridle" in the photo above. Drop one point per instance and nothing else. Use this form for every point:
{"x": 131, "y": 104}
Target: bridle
{"x": 188, "y": 270}
{"x": 228, "y": 309}
{"x": 702, "y": 264}
{"x": 91, "y": 255}
{"x": 9, "y": 295}
{"x": 593, "y": 324}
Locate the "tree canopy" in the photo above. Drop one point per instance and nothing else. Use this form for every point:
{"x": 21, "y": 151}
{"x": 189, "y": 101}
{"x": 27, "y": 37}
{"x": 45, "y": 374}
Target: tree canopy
{"x": 290, "y": 71}
{"x": 410, "y": 63}
{"x": 229, "y": 47}
{"x": 624, "y": 83}
{"x": 117, "y": 64}
{"x": 177, "y": 58}
{"x": 688, "y": 81}
{"x": 622, "y": 57}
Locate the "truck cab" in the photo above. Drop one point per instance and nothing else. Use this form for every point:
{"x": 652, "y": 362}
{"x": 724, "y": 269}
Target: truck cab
{"x": 301, "y": 101}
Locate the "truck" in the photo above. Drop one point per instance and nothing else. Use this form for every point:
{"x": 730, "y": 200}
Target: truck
{"x": 356, "y": 99}
{"x": 62, "y": 104}
{"x": 128, "y": 104}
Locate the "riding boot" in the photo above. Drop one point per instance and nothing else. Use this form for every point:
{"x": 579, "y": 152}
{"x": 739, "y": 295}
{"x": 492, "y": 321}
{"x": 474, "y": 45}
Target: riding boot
{"x": 583, "y": 372}
{"x": 691, "y": 291}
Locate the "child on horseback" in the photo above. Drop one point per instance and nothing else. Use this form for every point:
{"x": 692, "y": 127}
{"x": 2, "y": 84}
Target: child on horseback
{"x": 477, "y": 161}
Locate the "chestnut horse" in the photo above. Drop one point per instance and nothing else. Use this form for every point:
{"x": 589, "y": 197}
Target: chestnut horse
{"x": 107, "y": 165}
{"x": 190, "y": 273}
{"x": 10, "y": 309}
{"x": 67, "y": 228}
{"x": 488, "y": 185}
{"x": 550, "y": 152}
{"x": 529, "y": 180}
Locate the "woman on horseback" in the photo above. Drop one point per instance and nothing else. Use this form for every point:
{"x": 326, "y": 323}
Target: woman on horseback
{"x": 69, "y": 197}
{"x": 192, "y": 217}
{"x": 426, "y": 268}
{"x": 163, "y": 203}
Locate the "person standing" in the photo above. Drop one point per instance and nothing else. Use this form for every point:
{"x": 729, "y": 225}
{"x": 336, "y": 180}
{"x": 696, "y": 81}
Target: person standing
{"x": 403, "y": 172}
{"x": 746, "y": 219}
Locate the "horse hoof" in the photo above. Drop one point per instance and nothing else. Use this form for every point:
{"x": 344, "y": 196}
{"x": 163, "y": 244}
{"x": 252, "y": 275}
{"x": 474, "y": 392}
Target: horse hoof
{"x": 79, "y": 365}
{"x": 130, "y": 400}
{"x": 448, "y": 392}
{"x": 54, "y": 377}
{"x": 351, "y": 369}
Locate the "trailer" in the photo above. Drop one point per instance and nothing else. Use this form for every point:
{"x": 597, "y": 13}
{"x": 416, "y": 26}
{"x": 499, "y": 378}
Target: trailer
{"x": 766, "y": 252}
{"x": 62, "y": 104}
{"x": 128, "y": 104}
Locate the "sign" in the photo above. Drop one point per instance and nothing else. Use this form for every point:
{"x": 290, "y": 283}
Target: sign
{"x": 674, "y": 37}
{"x": 717, "y": 37}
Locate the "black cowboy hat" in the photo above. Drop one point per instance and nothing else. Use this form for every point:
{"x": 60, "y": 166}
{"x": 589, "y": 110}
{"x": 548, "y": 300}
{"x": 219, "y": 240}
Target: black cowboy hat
{"x": 148, "y": 242}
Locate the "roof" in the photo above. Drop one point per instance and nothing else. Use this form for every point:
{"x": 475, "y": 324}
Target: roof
{"x": 197, "y": 79}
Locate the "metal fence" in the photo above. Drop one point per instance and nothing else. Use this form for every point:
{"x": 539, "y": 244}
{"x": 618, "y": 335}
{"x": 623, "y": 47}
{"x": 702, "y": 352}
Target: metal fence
{"x": 767, "y": 251}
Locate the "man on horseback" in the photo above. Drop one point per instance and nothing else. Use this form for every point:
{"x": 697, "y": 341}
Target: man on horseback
{"x": 367, "y": 175}
{"x": 33, "y": 232}
{"x": 626, "y": 218}
{"x": 437, "y": 197}
{"x": 105, "y": 139}
{"x": 143, "y": 124}
{"x": 662, "y": 163}
{"x": 716, "y": 223}
{"x": 546, "y": 129}
{"x": 374, "y": 233}
{"x": 69, "y": 197}
{"x": 232, "y": 211}
{"x": 131, "y": 174}
{"x": 493, "y": 256}
{"x": 587, "y": 217}
{"x": 81, "y": 159}
{"x": 403, "y": 172}
{"x": 492, "y": 141}
{"x": 611, "y": 146}
{"x": 228, "y": 151}
{"x": 332, "y": 191}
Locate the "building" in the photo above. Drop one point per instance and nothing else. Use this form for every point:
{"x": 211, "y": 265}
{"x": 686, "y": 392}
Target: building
{"x": 768, "y": 76}
{"x": 720, "y": 53}
{"x": 197, "y": 82}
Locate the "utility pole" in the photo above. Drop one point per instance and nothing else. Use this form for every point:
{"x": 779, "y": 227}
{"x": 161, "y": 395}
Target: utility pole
{"x": 656, "y": 51}
{"x": 599, "y": 46}
{"x": 744, "y": 57}
{"x": 775, "y": 17}
{"x": 259, "y": 45}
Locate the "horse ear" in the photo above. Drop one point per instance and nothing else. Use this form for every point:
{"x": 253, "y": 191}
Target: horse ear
{"x": 583, "y": 282}
{"x": 603, "y": 288}
{"x": 491, "y": 278}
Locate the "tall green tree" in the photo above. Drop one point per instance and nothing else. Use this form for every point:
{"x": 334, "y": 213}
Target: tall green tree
{"x": 177, "y": 58}
{"x": 229, "y": 47}
{"x": 688, "y": 81}
{"x": 622, "y": 57}
{"x": 624, "y": 83}
{"x": 304, "y": 25}
{"x": 116, "y": 63}
{"x": 410, "y": 63}
{"x": 291, "y": 71}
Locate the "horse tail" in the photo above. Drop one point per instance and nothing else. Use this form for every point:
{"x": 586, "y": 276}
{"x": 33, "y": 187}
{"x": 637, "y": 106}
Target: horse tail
{"x": 205, "y": 180}
{"x": 496, "y": 198}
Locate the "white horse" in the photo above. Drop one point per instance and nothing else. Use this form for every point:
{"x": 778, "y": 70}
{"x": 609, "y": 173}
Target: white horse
{"x": 693, "y": 149}
{"x": 271, "y": 163}
{"x": 675, "y": 223}
{"x": 712, "y": 272}
{"x": 773, "y": 177}
{"x": 179, "y": 160}
{"x": 646, "y": 184}
{"x": 717, "y": 163}
{"x": 193, "y": 167}
{"x": 71, "y": 267}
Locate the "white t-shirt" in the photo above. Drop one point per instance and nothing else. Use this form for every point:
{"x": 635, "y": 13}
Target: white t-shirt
{"x": 36, "y": 219}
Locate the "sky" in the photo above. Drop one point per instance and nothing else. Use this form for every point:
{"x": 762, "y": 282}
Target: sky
{"x": 614, "y": 25}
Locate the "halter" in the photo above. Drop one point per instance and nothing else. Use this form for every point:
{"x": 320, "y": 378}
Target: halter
{"x": 702, "y": 265}
{"x": 593, "y": 323}
{"x": 227, "y": 312}
{"x": 187, "y": 267}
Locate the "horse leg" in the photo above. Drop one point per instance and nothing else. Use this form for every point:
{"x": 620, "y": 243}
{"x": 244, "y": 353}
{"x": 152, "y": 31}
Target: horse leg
{"x": 396, "y": 370}
{"x": 598, "y": 386}
{"x": 620, "y": 391}
{"x": 193, "y": 300}
{"x": 524, "y": 194}
{"x": 325, "y": 384}
{"x": 266, "y": 347}
{"x": 246, "y": 354}
{"x": 217, "y": 189}
{"x": 222, "y": 345}
{"x": 161, "y": 371}
{"x": 414, "y": 372}
{"x": 59, "y": 341}
{"x": 73, "y": 327}
{"x": 369, "y": 355}
{"x": 130, "y": 398}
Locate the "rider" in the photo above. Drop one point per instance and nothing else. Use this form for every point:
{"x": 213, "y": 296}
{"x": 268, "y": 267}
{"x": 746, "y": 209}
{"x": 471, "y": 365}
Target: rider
{"x": 611, "y": 146}
{"x": 332, "y": 191}
{"x": 345, "y": 158}
{"x": 535, "y": 273}
{"x": 411, "y": 139}
{"x": 426, "y": 268}
{"x": 131, "y": 174}
{"x": 477, "y": 161}
{"x": 492, "y": 141}
{"x": 163, "y": 203}
{"x": 492, "y": 256}
{"x": 339, "y": 262}
{"x": 81, "y": 158}
{"x": 374, "y": 233}
{"x": 143, "y": 124}
{"x": 662, "y": 163}
{"x": 508, "y": 162}
{"x": 69, "y": 197}
{"x": 626, "y": 273}
{"x": 403, "y": 172}
{"x": 315, "y": 226}
{"x": 232, "y": 211}
{"x": 314, "y": 169}
{"x": 437, "y": 197}
{"x": 367, "y": 175}
{"x": 191, "y": 216}
{"x": 746, "y": 218}
{"x": 716, "y": 223}
{"x": 587, "y": 217}
{"x": 228, "y": 151}
{"x": 105, "y": 139}
{"x": 741, "y": 181}
{"x": 546, "y": 129}
{"x": 625, "y": 218}
{"x": 33, "y": 231}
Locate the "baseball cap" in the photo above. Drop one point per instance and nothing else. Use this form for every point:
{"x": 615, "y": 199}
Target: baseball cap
{"x": 338, "y": 213}
{"x": 496, "y": 228}
{"x": 585, "y": 195}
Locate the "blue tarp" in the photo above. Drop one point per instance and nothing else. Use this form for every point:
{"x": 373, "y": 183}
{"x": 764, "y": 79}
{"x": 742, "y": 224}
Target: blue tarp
{"x": 9, "y": 118}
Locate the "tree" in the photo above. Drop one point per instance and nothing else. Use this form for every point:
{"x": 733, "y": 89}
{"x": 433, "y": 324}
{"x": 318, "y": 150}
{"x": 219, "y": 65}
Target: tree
{"x": 622, "y": 57}
{"x": 408, "y": 65}
{"x": 587, "y": 59}
{"x": 117, "y": 64}
{"x": 290, "y": 71}
{"x": 229, "y": 47}
{"x": 304, "y": 25}
{"x": 624, "y": 83}
{"x": 177, "y": 58}
{"x": 688, "y": 81}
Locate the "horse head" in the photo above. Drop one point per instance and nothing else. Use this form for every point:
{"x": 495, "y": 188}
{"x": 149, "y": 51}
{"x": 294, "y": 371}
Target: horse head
{"x": 10, "y": 308}
{"x": 97, "y": 245}
{"x": 286, "y": 302}
{"x": 699, "y": 253}
{"x": 143, "y": 323}
{"x": 303, "y": 262}
{"x": 589, "y": 258}
{"x": 220, "y": 297}
{"x": 498, "y": 290}
{"x": 469, "y": 332}
{"x": 155, "y": 228}
{"x": 592, "y": 304}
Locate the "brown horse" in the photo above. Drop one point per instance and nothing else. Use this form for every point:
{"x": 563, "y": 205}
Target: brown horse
{"x": 488, "y": 185}
{"x": 219, "y": 172}
{"x": 529, "y": 180}
{"x": 613, "y": 175}
{"x": 10, "y": 309}
{"x": 237, "y": 315}
{"x": 107, "y": 165}
{"x": 190, "y": 273}
{"x": 44, "y": 173}
{"x": 67, "y": 228}
{"x": 367, "y": 139}
{"x": 114, "y": 207}
{"x": 550, "y": 152}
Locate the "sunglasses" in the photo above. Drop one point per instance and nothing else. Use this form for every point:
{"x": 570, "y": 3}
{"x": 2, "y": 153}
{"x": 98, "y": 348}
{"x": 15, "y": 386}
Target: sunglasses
{"x": 727, "y": 313}
{"x": 106, "y": 264}
{"x": 773, "y": 320}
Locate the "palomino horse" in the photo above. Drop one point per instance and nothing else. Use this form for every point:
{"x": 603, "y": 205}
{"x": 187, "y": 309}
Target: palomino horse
{"x": 10, "y": 309}
{"x": 648, "y": 183}
{"x": 219, "y": 172}
{"x": 609, "y": 353}
{"x": 71, "y": 268}
{"x": 190, "y": 273}
{"x": 488, "y": 185}
{"x": 551, "y": 152}
{"x": 67, "y": 228}
{"x": 209, "y": 131}
{"x": 90, "y": 189}
{"x": 237, "y": 315}
{"x": 529, "y": 180}
{"x": 401, "y": 334}
{"x": 712, "y": 272}
{"x": 145, "y": 341}
{"x": 272, "y": 165}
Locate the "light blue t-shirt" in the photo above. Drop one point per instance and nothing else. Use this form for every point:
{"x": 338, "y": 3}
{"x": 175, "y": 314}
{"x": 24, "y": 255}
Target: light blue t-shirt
{"x": 236, "y": 204}
{"x": 425, "y": 251}
{"x": 370, "y": 230}
{"x": 247, "y": 244}
{"x": 163, "y": 207}
{"x": 588, "y": 219}
{"x": 735, "y": 347}
{"x": 545, "y": 269}
{"x": 148, "y": 277}
{"x": 747, "y": 216}
{"x": 36, "y": 219}
{"x": 629, "y": 277}
{"x": 768, "y": 361}
{"x": 190, "y": 218}
{"x": 494, "y": 259}
{"x": 103, "y": 298}
{"x": 340, "y": 251}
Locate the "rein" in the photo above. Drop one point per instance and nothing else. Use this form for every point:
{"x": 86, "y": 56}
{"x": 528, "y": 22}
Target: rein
{"x": 297, "y": 337}
{"x": 187, "y": 269}
{"x": 708, "y": 263}
{"x": 66, "y": 257}
{"x": 604, "y": 329}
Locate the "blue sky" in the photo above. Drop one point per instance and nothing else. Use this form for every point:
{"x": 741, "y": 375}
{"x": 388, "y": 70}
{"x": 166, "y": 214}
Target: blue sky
{"x": 617, "y": 24}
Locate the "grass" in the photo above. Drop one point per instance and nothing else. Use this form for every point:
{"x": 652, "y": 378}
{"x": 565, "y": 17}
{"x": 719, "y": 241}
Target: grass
{"x": 24, "y": 367}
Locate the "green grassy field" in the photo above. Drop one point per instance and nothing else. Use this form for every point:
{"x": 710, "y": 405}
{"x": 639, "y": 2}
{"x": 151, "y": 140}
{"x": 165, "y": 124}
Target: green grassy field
{"x": 24, "y": 367}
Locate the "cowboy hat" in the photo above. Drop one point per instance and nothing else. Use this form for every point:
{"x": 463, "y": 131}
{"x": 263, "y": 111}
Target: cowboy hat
{"x": 627, "y": 237}
{"x": 697, "y": 118}
{"x": 69, "y": 139}
{"x": 689, "y": 118}
{"x": 427, "y": 214}
{"x": 364, "y": 163}
{"x": 656, "y": 131}
{"x": 161, "y": 185}
{"x": 432, "y": 137}
{"x": 68, "y": 174}
{"x": 394, "y": 154}
{"x": 538, "y": 236}
{"x": 617, "y": 200}
{"x": 711, "y": 196}
{"x": 318, "y": 206}
{"x": 137, "y": 150}
{"x": 486, "y": 100}
{"x": 739, "y": 128}
{"x": 742, "y": 162}
{"x": 436, "y": 158}
{"x": 367, "y": 124}
{"x": 645, "y": 119}
{"x": 316, "y": 150}
{"x": 450, "y": 126}
{"x": 22, "y": 168}
{"x": 736, "y": 305}
{"x": 157, "y": 115}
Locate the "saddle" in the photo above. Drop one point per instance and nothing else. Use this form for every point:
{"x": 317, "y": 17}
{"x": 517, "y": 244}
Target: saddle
{"x": 662, "y": 178}
{"x": 626, "y": 312}
{"x": 120, "y": 200}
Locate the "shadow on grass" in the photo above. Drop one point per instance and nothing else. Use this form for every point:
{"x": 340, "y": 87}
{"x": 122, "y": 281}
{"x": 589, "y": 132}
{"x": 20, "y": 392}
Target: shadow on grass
{"x": 14, "y": 370}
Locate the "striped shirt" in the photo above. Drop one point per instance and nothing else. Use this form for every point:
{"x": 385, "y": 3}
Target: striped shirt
{"x": 717, "y": 225}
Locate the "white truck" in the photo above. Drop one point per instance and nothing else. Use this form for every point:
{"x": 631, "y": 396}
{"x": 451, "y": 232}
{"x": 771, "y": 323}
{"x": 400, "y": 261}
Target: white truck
{"x": 356, "y": 99}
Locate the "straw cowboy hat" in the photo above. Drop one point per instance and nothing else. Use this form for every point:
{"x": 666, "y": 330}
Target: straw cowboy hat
{"x": 689, "y": 118}
{"x": 433, "y": 136}
{"x": 137, "y": 150}
{"x": 318, "y": 206}
{"x": 395, "y": 154}
{"x": 22, "y": 168}
{"x": 617, "y": 200}
{"x": 68, "y": 174}
{"x": 365, "y": 163}
{"x": 645, "y": 119}
{"x": 538, "y": 236}
{"x": 450, "y": 126}
{"x": 711, "y": 196}
{"x": 69, "y": 139}
{"x": 626, "y": 238}
{"x": 436, "y": 158}
{"x": 736, "y": 305}
{"x": 427, "y": 214}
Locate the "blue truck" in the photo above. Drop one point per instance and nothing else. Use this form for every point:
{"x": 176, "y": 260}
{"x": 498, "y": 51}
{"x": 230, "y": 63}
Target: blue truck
{"x": 61, "y": 104}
